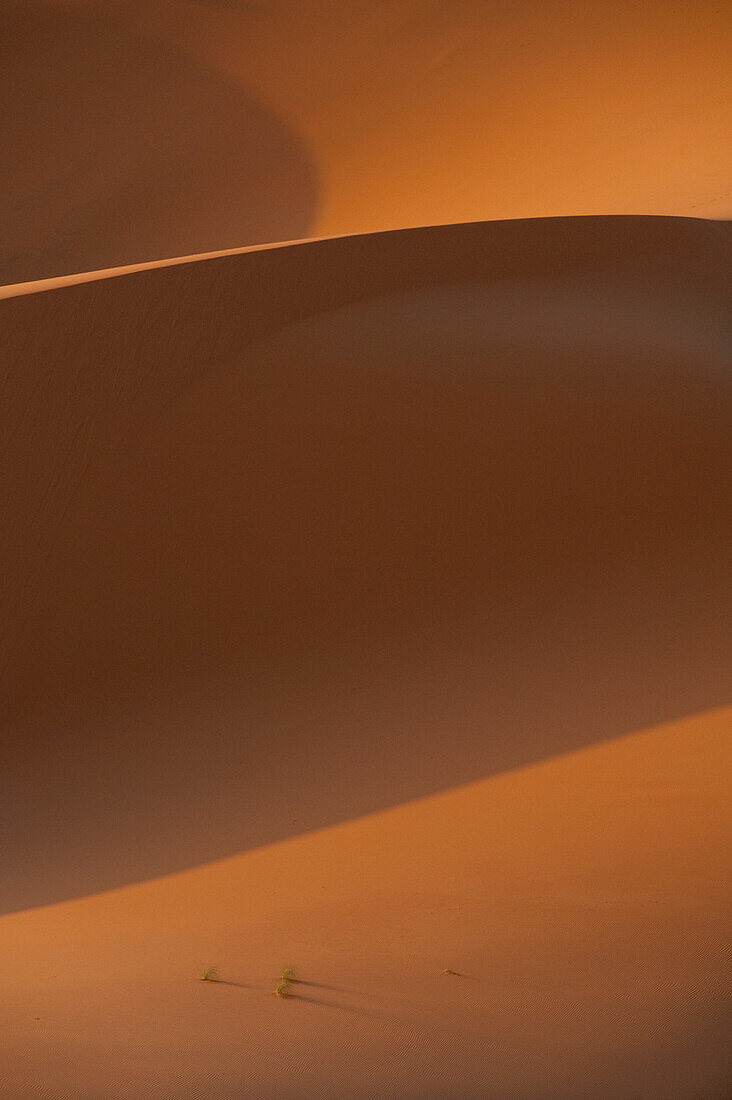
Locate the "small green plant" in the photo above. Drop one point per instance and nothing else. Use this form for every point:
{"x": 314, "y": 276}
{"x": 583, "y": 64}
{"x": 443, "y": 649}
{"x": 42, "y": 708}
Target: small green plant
{"x": 210, "y": 974}
{"x": 448, "y": 971}
{"x": 284, "y": 985}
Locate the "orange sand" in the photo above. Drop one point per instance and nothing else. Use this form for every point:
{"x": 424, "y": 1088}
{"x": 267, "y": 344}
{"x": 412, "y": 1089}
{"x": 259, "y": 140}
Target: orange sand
{"x": 313, "y": 531}
{"x": 138, "y": 131}
{"x": 580, "y": 899}
{"x": 366, "y": 601}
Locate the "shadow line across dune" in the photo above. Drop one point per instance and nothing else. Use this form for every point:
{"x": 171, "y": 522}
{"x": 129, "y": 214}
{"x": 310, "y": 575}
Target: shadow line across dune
{"x": 294, "y": 535}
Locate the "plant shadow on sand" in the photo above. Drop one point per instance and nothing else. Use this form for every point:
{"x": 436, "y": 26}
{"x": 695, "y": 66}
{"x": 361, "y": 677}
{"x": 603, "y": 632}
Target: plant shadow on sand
{"x": 210, "y": 977}
{"x": 321, "y": 985}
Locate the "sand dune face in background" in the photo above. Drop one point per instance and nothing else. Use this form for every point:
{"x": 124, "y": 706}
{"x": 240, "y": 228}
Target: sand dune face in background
{"x": 120, "y": 149}
{"x": 144, "y": 130}
{"x": 320, "y": 529}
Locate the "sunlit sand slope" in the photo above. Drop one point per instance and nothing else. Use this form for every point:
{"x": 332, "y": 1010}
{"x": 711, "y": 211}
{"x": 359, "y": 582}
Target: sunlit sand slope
{"x": 295, "y": 535}
{"x": 581, "y": 901}
{"x": 134, "y": 131}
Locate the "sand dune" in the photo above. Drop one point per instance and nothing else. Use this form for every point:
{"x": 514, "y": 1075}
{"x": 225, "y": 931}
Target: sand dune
{"x": 302, "y": 533}
{"x": 366, "y": 599}
{"x": 121, "y": 149}
{"x": 580, "y": 899}
{"x": 137, "y": 131}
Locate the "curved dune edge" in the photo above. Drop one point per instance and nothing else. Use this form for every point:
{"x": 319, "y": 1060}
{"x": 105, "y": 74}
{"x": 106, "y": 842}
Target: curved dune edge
{"x": 37, "y": 286}
{"x": 57, "y": 282}
{"x": 581, "y": 900}
{"x": 123, "y": 147}
{"x": 427, "y": 500}
{"x": 167, "y": 127}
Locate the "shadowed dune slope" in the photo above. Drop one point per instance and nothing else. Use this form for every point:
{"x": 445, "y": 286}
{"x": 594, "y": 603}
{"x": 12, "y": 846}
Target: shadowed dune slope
{"x": 119, "y": 149}
{"x": 135, "y": 130}
{"x": 293, "y": 535}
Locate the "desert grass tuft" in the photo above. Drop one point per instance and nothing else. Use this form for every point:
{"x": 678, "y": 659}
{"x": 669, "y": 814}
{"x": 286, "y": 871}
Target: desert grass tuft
{"x": 210, "y": 974}
{"x": 283, "y": 988}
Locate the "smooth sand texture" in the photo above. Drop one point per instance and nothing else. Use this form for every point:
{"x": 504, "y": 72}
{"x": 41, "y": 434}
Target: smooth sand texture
{"x": 349, "y": 499}
{"x": 133, "y": 131}
{"x": 310, "y": 532}
{"x": 581, "y": 900}
{"x": 366, "y": 601}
